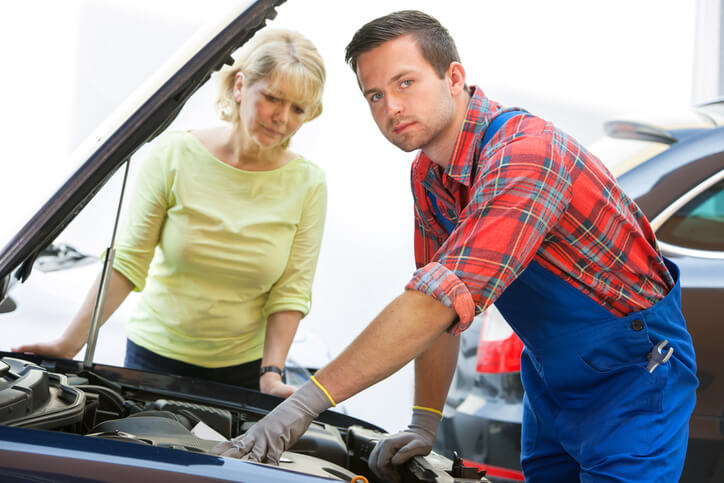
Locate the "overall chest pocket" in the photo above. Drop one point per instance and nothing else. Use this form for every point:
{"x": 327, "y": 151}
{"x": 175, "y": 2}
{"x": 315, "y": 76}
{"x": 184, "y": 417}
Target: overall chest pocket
{"x": 606, "y": 364}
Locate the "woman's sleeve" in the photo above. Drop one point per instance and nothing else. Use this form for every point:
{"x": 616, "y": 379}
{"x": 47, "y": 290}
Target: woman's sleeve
{"x": 293, "y": 290}
{"x": 141, "y": 230}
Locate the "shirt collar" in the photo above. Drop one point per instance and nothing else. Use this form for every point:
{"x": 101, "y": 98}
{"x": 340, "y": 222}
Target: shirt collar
{"x": 480, "y": 113}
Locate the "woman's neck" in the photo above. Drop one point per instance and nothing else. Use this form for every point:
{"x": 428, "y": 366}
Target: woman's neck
{"x": 243, "y": 153}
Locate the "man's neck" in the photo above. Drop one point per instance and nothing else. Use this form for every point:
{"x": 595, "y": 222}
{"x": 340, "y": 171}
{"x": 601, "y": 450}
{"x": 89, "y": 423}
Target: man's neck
{"x": 440, "y": 150}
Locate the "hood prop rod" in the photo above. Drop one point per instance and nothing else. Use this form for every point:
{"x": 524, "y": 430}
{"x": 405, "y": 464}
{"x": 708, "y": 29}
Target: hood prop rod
{"x": 100, "y": 303}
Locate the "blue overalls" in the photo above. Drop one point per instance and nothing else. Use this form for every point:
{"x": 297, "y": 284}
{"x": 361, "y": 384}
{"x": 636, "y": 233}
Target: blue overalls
{"x": 592, "y": 411}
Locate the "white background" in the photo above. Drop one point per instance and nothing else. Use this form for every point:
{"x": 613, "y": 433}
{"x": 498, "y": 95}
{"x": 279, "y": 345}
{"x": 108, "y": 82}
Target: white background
{"x": 67, "y": 65}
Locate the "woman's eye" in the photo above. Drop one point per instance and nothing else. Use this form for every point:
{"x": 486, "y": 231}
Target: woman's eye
{"x": 406, "y": 83}
{"x": 299, "y": 110}
{"x": 271, "y": 98}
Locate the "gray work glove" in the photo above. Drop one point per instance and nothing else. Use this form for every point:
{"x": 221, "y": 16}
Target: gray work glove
{"x": 396, "y": 449}
{"x": 274, "y": 433}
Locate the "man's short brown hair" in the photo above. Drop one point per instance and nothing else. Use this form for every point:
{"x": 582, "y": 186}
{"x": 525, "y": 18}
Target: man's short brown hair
{"x": 435, "y": 42}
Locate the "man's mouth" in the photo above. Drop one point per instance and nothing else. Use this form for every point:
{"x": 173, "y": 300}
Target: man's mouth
{"x": 402, "y": 126}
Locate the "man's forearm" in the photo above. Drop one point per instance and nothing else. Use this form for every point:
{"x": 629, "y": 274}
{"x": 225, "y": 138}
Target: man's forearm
{"x": 434, "y": 371}
{"x": 406, "y": 328}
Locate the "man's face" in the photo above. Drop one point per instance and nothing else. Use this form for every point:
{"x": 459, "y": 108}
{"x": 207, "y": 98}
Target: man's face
{"x": 411, "y": 105}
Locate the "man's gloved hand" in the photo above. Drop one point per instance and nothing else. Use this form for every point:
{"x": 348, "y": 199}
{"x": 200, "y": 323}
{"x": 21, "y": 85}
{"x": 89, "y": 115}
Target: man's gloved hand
{"x": 279, "y": 429}
{"x": 396, "y": 449}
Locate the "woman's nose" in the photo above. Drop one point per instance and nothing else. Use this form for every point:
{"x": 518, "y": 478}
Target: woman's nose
{"x": 281, "y": 114}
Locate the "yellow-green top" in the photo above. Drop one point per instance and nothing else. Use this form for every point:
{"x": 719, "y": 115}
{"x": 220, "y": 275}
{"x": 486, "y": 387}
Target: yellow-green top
{"x": 226, "y": 248}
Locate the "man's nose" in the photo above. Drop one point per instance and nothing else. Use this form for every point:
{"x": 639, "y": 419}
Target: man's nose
{"x": 393, "y": 105}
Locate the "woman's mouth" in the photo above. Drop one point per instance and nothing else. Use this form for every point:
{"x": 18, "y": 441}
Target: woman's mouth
{"x": 271, "y": 132}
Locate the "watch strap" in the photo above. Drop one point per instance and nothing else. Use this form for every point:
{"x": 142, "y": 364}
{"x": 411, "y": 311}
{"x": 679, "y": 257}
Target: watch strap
{"x": 274, "y": 369}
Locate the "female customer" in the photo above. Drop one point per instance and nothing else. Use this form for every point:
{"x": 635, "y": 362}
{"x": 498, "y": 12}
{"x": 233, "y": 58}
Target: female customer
{"x": 224, "y": 229}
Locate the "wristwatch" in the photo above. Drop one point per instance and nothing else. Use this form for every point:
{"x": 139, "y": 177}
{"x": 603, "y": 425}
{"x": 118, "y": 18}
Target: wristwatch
{"x": 275, "y": 369}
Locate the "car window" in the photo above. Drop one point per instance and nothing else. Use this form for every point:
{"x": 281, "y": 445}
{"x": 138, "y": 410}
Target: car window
{"x": 699, "y": 224}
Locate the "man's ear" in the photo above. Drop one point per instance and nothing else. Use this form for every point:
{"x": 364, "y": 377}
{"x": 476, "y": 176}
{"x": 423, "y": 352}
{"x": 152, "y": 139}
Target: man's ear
{"x": 455, "y": 77}
{"x": 236, "y": 88}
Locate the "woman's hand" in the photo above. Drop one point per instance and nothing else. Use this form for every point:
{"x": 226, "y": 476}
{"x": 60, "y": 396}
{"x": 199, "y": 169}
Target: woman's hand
{"x": 56, "y": 348}
{"x": 74, "y": 337}
{"x": 271, "y": 383}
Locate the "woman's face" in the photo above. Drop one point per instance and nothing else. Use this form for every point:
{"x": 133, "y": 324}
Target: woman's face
{"x": 267, "y": 110}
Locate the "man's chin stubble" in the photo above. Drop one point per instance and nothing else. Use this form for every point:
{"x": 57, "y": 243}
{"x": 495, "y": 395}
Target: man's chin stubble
{"x": 406, "y": 147}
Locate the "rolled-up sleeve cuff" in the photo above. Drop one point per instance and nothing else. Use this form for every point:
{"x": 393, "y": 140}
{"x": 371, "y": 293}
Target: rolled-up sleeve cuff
{"x": 445, "y": 286}
{"x": 288, "y": 303}
{"x": 129, "y": 268}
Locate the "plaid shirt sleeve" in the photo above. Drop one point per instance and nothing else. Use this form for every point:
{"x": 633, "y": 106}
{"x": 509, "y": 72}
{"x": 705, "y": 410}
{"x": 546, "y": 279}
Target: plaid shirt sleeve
{"x": 520, "y": 192}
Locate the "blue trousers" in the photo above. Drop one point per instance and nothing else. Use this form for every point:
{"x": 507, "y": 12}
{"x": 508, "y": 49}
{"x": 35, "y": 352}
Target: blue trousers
{"x": 592, "y": 411}
{"x": 244, "y": 375}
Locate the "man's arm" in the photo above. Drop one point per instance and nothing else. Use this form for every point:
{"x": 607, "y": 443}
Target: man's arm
{"x": 434, "y": 371}
{"x": 406, "y": 328}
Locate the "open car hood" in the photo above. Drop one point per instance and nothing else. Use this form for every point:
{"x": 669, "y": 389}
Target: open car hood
{"x": 146, "y": 113}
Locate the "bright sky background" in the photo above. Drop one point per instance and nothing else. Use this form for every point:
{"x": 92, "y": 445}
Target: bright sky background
{"x": 67, "y": 64}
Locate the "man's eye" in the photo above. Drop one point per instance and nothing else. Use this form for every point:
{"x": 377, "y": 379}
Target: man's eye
{"x": 406, "y": 83}
{"x": 376, "y": 97}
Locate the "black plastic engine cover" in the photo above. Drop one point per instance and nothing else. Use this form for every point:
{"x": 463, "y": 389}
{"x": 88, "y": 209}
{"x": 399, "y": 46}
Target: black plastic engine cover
{"x": 32, "y": 397}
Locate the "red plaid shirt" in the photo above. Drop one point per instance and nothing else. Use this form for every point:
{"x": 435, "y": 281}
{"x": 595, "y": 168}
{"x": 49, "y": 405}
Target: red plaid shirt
{"x": 532, "y": 193}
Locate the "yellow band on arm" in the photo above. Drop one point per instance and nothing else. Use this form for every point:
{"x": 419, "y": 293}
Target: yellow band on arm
{"x": 432, "y": 410}
{"x": 319, "y": 385}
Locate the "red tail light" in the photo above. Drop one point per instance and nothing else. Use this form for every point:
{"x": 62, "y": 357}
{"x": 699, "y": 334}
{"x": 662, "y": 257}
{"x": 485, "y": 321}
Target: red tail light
{"x": 499, "y": 348}
{"x": 497, "y": 471}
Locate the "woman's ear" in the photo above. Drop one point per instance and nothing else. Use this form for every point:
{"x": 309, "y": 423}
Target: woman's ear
{"x": 236, "y": 88}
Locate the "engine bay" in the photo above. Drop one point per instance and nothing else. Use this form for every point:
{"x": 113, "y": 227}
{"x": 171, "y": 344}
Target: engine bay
{"x": 41, "y": 395}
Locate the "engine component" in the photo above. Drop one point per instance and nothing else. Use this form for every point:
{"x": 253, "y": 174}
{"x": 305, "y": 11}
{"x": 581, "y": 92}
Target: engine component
{"x": 32, "y": 397}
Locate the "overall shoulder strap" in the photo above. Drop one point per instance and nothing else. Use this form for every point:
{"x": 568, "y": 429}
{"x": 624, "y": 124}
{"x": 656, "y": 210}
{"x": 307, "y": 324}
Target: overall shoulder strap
{"x": 493, "y": 127}
{"x": 497, "y": 123}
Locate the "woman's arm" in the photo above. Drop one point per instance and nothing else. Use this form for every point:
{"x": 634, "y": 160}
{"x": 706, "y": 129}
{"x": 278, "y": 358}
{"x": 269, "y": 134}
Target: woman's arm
{"x": 135, "y": 246}
{"x": 290, "y": 298}
{"x": 280, "y": 330}
{"x": 76, "y": 334}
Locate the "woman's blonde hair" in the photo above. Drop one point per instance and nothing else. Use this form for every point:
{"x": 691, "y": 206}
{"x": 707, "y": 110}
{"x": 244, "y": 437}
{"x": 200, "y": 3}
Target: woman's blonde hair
{"x": 278, "y": 55}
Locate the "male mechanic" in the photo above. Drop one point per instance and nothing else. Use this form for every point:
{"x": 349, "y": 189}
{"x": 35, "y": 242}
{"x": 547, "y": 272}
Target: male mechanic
{"x": 530, "y": 220}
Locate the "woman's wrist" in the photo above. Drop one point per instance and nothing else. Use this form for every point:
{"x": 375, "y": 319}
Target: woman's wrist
{"x": 269, "y": 379}
{"x": 274, "y": 369}
{"x": 272, "y": 383}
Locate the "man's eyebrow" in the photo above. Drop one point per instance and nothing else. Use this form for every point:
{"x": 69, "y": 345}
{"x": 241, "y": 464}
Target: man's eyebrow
{"x": 394, "y": 78}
